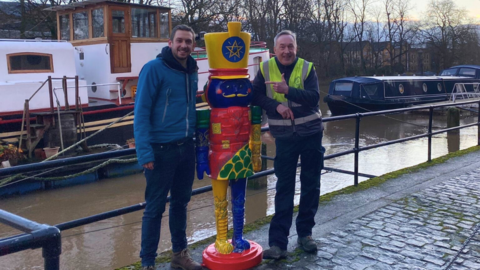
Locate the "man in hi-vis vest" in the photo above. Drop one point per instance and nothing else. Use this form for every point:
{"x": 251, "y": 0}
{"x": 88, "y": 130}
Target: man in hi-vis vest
{"x": 286, "y": 87}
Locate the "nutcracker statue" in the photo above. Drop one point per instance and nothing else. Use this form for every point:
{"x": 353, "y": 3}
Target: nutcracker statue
{"x": 228, "y": 145}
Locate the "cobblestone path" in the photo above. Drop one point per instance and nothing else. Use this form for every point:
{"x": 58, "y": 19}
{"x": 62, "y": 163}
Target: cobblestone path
{"x": 424, "y": 230}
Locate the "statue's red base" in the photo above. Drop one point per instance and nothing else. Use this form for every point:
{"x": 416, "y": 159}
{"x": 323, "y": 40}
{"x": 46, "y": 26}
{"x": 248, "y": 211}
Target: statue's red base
{"x": 233, "y": 261}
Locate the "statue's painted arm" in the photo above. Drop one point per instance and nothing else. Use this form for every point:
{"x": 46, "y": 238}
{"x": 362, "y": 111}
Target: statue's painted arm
{"x": 255, "y": 138}
{"x": 201, "y": 142}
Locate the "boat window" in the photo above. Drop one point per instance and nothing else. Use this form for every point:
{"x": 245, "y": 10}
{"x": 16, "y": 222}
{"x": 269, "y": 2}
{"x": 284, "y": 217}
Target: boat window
{"x": 64, "y": 27}
{"x": 97, "y": 23}
{"x": 467, "y": 72}
{"x": 425, "y": 87}
{"x": 29, "y": 63}
{"x": 118, "y": 21}
{"x": 164, "y": 26}
{"x": 439, "y": 87}
{"x": 342, "y": 86}
{"x": 401, "y": 89}
{"x": 80, "y": 25}
{"x": 144, "y": 22}
{"x": 449, "y": 72}
{"x": 370, "y": 89}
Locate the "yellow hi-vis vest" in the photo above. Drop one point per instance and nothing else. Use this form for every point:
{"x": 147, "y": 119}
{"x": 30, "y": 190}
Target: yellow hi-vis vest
{"x": 299, "y": 74}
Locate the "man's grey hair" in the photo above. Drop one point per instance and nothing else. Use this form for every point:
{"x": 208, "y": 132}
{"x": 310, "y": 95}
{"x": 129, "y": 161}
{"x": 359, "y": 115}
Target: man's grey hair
{"x": 283, "y": 33}
{"x": 182, "y": 27}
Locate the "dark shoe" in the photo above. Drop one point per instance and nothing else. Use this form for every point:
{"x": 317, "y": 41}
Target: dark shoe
{"x": 274, "y": 253}
{"x": 151, "y": 267}
{"x": 307, "y": 244}
{"x": 184, "y": 261}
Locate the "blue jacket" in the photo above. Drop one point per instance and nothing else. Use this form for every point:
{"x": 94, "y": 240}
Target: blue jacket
{"x": 164, "y": 104}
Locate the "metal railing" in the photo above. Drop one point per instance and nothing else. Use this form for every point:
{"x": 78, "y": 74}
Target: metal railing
{"x": 459, "y": 90}
{"x": 358, "y": 116}
{"x": 37, "y": 236}
{"x": 48, "y": 237}
{"x": 26, "y": 106}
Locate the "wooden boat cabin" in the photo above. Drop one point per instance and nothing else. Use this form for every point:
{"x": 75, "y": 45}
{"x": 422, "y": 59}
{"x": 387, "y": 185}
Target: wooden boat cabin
{"x": 113, "y": 40}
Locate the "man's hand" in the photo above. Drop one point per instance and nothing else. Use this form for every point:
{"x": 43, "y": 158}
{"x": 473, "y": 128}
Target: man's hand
{"x": 285, "y": 112}
{"x": 148, "y": 166}
{"x": 279, "y": 87}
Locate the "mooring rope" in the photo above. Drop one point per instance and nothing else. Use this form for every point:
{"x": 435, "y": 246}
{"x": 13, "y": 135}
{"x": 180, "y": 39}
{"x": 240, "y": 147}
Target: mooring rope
{"x": 9, "y": 179}
{"x": 5, "y": 182}
{"x": 84, "y": 139}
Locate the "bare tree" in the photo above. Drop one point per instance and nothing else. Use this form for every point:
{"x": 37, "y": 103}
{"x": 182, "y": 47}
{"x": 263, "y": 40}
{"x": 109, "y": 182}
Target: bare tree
{"x": 264, "y": 17}
{"x": 376, "y": 35}
{"x": 446, "y": 26}
{"x": 358, "y": 8}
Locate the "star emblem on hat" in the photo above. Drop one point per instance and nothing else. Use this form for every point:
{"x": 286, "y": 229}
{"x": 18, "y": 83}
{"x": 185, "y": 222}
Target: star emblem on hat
{"x": 234, "y": 49}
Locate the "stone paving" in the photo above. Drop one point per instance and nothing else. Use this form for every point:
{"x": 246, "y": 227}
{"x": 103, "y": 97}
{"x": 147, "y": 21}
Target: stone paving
{"x": 422, "y": 231}
{"x": 417, "y": 221}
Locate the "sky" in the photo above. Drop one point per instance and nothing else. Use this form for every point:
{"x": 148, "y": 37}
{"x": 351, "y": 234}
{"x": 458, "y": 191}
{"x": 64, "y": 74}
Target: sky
{"x": 472, "y": 7}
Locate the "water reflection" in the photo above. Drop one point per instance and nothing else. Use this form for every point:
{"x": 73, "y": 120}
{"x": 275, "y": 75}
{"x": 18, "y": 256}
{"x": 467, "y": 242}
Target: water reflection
{"x": 115, "y": 242}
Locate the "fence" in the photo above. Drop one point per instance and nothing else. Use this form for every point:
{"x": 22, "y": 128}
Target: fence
{"x": 49, "y": 237}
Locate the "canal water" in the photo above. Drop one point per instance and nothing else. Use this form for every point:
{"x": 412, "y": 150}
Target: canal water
{"x": 115, "y": 242}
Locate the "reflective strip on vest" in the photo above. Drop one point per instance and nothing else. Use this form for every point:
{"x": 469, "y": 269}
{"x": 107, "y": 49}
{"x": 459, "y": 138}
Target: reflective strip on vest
{"x": 297, "y": 121}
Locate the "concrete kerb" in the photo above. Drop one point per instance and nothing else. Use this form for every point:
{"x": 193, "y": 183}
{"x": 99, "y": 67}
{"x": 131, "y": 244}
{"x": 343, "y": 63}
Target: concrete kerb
{"x": 344, "y": 208}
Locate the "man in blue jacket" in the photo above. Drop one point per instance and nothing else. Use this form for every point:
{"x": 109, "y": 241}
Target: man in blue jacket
{"x": 164, "y": 126}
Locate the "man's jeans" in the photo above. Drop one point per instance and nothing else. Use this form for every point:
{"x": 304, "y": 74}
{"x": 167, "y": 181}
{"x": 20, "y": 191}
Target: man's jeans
{"x": 173, "y": 171}
{"x": 311, "y": 154}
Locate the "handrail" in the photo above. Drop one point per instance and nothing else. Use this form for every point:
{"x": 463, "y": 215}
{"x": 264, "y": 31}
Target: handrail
{"x": 65, "y": 161}
{"x": 38, "y": 89}
{"x": 463, "y": 91}
{"x": 18, "y": 222}
{"x": 26, "y": 107}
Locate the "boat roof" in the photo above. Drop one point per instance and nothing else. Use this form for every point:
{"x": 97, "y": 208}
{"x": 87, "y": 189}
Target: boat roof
{"x": 96, "y": 2}
{"x": 33, "y": 45}
{"x": 367, "y": 80}
{"x": 465, "y": 66}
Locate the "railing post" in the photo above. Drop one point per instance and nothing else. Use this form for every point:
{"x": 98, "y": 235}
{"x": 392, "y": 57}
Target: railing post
{"x": 65, "y": 93}
{"x": 430, "y": 121}
{"x": 478, "y": 126}
{"x": 357, "y": 146}
{"x": 50, "y": 92}
{"x": 52, "y": 249}
{"x": 119, "y": 94}
{"x": 29, "y": 135}
{"x": 76, "y": 93}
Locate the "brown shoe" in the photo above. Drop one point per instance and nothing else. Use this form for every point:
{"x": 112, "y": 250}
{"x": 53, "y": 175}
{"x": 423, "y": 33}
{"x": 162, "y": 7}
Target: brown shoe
{"x": 307, "y": 244}
{"x": 184, "y": 261}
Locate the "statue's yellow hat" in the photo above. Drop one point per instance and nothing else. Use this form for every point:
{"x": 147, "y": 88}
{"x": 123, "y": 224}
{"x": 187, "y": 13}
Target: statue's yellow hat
{"x": 228, "y": 50}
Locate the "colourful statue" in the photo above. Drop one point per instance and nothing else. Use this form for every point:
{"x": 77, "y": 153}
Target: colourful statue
{"x": 228, "y": 135}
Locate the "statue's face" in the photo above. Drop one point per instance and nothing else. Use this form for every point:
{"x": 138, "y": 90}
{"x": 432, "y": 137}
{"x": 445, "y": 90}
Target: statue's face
{"x": 224, "y": 93}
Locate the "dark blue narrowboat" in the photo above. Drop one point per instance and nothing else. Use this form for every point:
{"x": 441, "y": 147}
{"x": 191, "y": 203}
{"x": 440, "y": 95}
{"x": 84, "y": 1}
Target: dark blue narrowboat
{"x": 363, "y": 94}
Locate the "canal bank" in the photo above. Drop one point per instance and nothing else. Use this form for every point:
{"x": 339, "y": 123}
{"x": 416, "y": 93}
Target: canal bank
{"x": 422, "y": 217}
